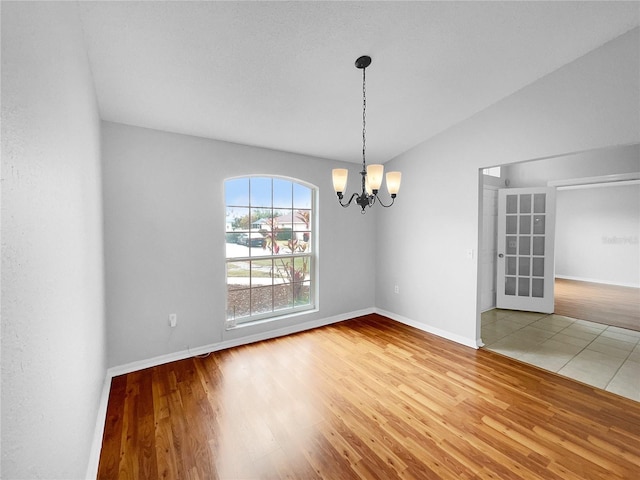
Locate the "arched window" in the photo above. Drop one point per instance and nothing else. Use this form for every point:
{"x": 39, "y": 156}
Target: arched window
{"x": 270, "y": 248}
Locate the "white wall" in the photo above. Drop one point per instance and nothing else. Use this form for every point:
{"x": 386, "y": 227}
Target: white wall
{"x": 597, "y": 234}
{"x": 165, "y": 241}
{"x": 53, "y": 336}
{"x": 590, "y": 103}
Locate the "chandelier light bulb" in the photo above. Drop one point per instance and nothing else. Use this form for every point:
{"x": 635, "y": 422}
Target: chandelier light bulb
{"x": 375, "y": 174}
{"x": 393, "y": 182}
{"x": 340, "y": 176}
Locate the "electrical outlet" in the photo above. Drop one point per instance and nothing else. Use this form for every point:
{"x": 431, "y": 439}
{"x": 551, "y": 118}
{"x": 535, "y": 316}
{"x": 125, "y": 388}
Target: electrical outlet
{"x": 396, "y": 289}
{"x": 173, "y": 319}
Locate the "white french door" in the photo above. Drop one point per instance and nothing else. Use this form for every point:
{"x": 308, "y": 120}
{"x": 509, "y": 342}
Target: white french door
{"x": 525, "y": 269}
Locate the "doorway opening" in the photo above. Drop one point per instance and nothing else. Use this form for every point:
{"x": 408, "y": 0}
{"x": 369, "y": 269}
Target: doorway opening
{"x": 598, "y": 245}
{"x": 594, "y": 352}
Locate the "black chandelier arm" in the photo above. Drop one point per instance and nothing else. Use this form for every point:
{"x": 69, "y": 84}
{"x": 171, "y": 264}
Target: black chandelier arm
{"x": 345, "y": 205}
{"x": 393, "y": 199}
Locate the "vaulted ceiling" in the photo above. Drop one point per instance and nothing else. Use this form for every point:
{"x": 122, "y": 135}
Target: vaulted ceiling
{"x": 281, "y": 75}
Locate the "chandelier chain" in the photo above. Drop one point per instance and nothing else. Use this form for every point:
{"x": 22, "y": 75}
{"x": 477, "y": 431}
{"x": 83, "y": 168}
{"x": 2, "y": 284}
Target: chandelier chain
{"x": 364, "y": 116}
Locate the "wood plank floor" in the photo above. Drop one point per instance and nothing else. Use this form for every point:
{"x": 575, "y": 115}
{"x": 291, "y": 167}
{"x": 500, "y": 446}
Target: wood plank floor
{"x": 597, "y": 302}
{"x": 365, "y": 399}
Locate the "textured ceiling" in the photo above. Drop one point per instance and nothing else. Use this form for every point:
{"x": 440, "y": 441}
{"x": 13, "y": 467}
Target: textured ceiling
{"x": 281, "y": 75}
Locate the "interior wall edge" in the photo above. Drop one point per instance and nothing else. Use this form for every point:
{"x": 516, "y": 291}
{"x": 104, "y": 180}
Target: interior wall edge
{"x": 462, "y": 340}
{"x": 101, "y": 418}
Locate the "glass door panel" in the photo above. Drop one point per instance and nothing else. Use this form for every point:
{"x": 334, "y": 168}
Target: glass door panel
{"x": 526, "y": 218}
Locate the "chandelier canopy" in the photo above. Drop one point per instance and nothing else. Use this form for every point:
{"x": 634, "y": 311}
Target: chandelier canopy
{"x": 372, "y": 175}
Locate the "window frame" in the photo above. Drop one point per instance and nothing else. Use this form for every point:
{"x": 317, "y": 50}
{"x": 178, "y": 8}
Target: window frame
{"x": 291, "y": 259}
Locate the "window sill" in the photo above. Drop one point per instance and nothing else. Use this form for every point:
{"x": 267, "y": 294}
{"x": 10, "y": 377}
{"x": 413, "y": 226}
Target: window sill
{"x": 232, "y": 325}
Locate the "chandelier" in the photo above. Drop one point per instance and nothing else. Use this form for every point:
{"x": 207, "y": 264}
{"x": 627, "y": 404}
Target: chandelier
{"x": 372, "y": 175}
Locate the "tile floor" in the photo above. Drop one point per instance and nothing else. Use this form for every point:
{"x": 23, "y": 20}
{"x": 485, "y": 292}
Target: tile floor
{"x": 600, "y": 355}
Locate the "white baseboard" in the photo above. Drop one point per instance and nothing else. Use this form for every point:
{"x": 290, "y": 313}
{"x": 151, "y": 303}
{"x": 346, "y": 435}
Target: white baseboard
{"x": 94, "y": 457}
{"x": 213, "y": 347}
{"x": 467, "y": 342}
{"x": 596, "y": 280}
{"x": 92, "y": 469}
{"x": 96, "y": 444}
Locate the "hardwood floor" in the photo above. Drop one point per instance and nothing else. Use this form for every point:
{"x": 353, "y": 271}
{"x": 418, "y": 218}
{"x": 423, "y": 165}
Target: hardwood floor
{"x": 371, "y": 399}
{"x": 597, "y": 302}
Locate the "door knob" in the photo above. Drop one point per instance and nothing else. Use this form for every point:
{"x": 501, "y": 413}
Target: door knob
{"x": 500, "y": 255}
